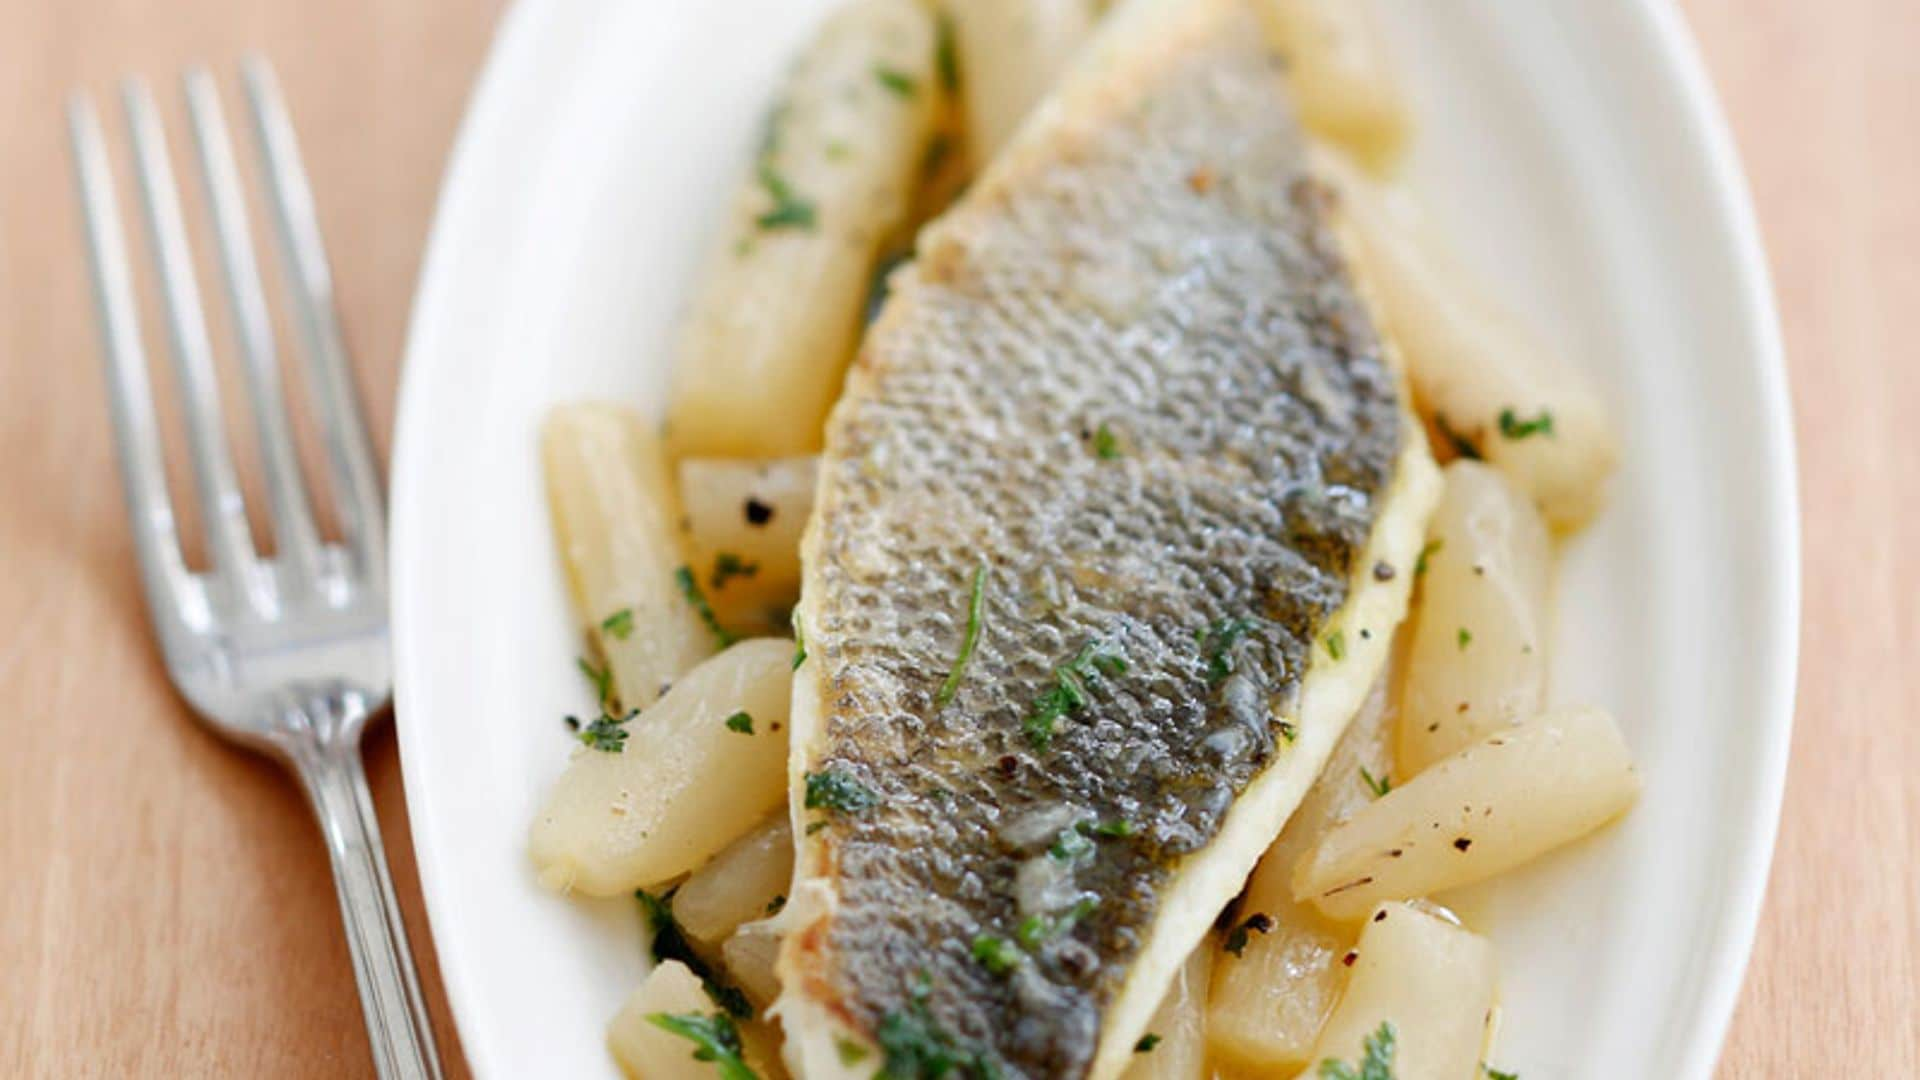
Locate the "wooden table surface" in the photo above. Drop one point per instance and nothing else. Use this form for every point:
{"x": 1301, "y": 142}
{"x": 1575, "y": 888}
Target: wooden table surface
{"x": 166, "y": 908}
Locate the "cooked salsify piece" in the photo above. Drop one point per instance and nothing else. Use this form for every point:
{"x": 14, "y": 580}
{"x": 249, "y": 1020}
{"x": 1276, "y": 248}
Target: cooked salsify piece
{"x": 1478, "y": 656}
{"x": 1342, "y": 76}
{"x": 746, "y": 881}
{"x": 1419, "y": 998}
{"x": 690, "y": 779}
{"x": 668, "y": 1019}
{"x": 749, "y": 957}
{"x": 1494, "y": 805}
{"x": 1277, "y": 973}
{"x": 771, "y": 329}
{"x": 1485, "y": 380}
{"x": 614, "y": 507}
{"x": 1175, "y": 1045}
{"x": 1011, "y": 54}
{"x": 743, "y": 525}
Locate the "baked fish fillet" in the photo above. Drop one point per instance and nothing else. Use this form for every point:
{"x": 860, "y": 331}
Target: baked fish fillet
{"x": 1130, "y": 393}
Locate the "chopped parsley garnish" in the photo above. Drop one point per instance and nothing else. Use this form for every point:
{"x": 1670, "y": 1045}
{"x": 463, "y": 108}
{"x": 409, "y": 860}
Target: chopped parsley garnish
{"x": 1288, "y": 731}
{"x": 1070, "y": 846}
{"x": 946, "y": 55}
{"x": 714, "y": 1037}
{"x": 915, "y": 1045}
{"x": 1513, "y": 427}
{"x": 799, "y": 642}
{"x": 1118, "y": 827}
{"x": 697, "y": 600}
{"x": 601, "y": 678}
{"x": 1464, "y": 637}
{"x": 670, "y": 943}
{"x": 1217, "y": 642}
{"x": 1461, "y": 445}
{"x": 1376, "y": 1062}
{"x": 605, "y": 733}
{"x": 1337, "y": 645}
{"x": 1146, "y": 1044}
{"x": 1106, "y": 445}
{"x": 789, "y": 211}
{"x": 850, "y": 1052}
{"x": 741, "y": 722}
{"x": 1427, "y": 551}
{"x": 996, "y": 954}
{"x": 1498, "y": 1074}
{"x": 1068, "y": 694}
{"x": 727, "y": 566}
{"x": 899, "y": 82}
{"x": 815, "y": 826}
{"x": 619, "y": 624}
{"x": 968, "y": 639}
{"x": 1036, "y": 930}
{"x": 836, "y": 791}
{"x": 1379, "y": 785}
{"x": 1256, "y": 923}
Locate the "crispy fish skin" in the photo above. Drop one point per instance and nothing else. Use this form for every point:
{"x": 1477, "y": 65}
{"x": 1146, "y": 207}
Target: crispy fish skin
{"x": 1150, "y": 259}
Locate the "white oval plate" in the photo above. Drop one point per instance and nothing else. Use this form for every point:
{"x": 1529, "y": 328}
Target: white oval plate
{"x": 1578, "y": 155}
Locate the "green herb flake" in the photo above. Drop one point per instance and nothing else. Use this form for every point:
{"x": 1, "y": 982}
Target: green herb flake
{"x": 741, "y": 722}
{"x": 898, "y": 82}
{"x": 914, "y": 1045}
{"x": 697, "y": 600}
{"x": 1119, "y": 828}
{"x": 1146, "y": 1044}
{"x": 714, "y": 1037}
{"x": 1106, "y": 445}
{"x": 670, "y": 943}
{"x": 605, "y": 733}
{"x": 1038, "y": 929}
{"x": 1462, "y": 445}
{"x": 1497, "y": 1074}
{"x": 968, "y": 639}
{"x": 727, "y": 566}
{"x": 1070, "y": 846}
{"x": 1427, "y": 551}
{"x": 1288, "y": 731}
{"x": 1376, "y": 1062}
{"x": 1464, "y": 637}
{"x": 850, "y": 1053}
{"x": 619, "y": 624}
{"x": 789, "y": 210}
{"x": 799, "y": 642}
{"x": 1512, "y": 427}
{"x": 1337, "y": 645}
{"x": 1257, "y": 923}
{"x": 996, "y": 954}
{"x": 1068, "y": 694}
{"x": 838, "y": 792}
{"x": 1379, "y": 785}
{"x": 946, "y": 54}
{"x": 1217, "y": 642}
{"x": 600, "y": 677}
{"x": 815, "y": 826}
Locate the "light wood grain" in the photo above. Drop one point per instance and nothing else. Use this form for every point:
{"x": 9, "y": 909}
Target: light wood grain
{"x": 165, "y": 909}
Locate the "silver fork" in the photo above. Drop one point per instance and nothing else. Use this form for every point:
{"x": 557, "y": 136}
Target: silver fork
{"x": 287, "y": 655}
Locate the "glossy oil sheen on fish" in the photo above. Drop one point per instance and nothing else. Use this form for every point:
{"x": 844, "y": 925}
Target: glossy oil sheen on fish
{"x": 1130, "y": 388}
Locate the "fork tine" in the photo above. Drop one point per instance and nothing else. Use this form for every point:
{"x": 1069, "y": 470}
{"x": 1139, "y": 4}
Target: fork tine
{"x": 295, "y": 537}
{"x": 221, "y": 505}
{"x": 356, "y": 479}
{"x": 174, "y": 599}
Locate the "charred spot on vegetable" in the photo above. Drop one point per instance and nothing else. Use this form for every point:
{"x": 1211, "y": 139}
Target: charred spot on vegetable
{"x": 776, "y": 905}
{"x": 1512, "y": 427}
{"x": 1380, "y": 916}
{"x": 1351, "y": 956}
{"x": 741, "y": 722}
{"x": 831, "y": 789}
{"x": 757, "y": 512}
{"x": 1462, "y": 844}
{"x": 1257, "y": 923}
{"x": 619, "y": 624}
{"x": 715, "y": 1039}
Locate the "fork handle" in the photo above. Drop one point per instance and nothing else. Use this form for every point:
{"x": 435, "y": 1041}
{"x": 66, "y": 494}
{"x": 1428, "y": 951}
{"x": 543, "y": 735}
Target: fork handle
{"x": 396, "y": 1014}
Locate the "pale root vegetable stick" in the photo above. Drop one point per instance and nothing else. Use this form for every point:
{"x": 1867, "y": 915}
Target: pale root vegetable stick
{"x": 1478, "y": 658}
{"x": 1175, "y": 1046}
{"x": 1266, "y": 1004}
{"x": 770, "y": 330}
{"x": 740, "y": 884}
{"x": 1474, "y": 367}
{"x": 614, "y": 512}
{"x": 1342, "y": 76}
{"x": 749, "y": 957}
{"x": 744, "y": 520}
{"x": 685, "y": 785}
{"x": 1488, "y": 808}
{"x": 1429, "y": 979}
{"x": 1011, "y": 54}
{"x": 646, "y": 1051}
